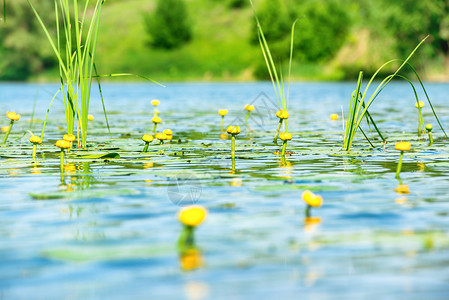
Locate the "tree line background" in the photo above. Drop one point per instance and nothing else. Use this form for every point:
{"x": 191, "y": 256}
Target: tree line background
{"x": 217, "y": 39}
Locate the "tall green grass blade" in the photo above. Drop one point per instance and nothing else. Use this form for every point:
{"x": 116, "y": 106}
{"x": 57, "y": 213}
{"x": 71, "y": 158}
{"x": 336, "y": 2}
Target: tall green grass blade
{"x": 428, "y": 99}
{"x": 102, "y": 100}
{"x": 46, "y": 115}
{"x": 130, "y": 74}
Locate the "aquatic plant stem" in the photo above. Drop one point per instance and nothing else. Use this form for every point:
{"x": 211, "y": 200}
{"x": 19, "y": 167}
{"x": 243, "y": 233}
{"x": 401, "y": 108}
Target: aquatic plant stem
{"x": 420, "y": 121}
{"x": 398, "y": 169}
{"x": 307, "y": 212}
{"x": 430, "y": 139}
{"x": 277, "y": 131}
{"x": 221, "y": 124}
{"x": 7, "y": 132}
{"x": 154, "y": 128}
{"x": 187, "y": 238}
{"x": 247, "y": 117}
{"x": 145, "y": 149}
{"x": 284, "y": 146}
{"x": 62, "y": 161}
{"x": 34, "y": 151}
{"x": 233, "y": 148}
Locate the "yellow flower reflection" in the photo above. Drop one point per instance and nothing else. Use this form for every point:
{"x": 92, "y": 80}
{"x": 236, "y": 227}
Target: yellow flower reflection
{"x": 191, "y": 259}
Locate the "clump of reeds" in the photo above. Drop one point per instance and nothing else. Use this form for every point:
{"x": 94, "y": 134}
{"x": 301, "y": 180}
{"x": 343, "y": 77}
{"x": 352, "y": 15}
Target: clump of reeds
{"x": 360, "y": 103}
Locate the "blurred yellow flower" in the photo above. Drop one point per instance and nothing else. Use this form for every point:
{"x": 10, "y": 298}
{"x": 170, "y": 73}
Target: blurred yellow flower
{"x": 402, "y": 189}
{"x": 68, "y": 137}
{"x": 13, "y": 116}
{"x": 192, "y": 215}
{"x": 234, "y": 130}
{"x": 285, "y": 136}
{"x": 191, "y": 259}
{"x": 311, "y": 199}
{"x": 90, "y": 117}
{"x": 63, "y": 144}
{"x": 223, "y": 112}
{"x": 156, "y": 120}
{"x": 155, "y": 102}
{"x": 35, "y": 140}
{"x": 148, "y": 138}
{"x": 334, "y": 117}
{"x": 403, "y": 146}
{"x": 249, "y": 107}
{"x": 421, "y": 104}
{"x": 282, "y": 114}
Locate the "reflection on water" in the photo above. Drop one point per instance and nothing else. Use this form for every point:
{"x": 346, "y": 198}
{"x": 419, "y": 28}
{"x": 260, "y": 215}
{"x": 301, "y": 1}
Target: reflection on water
{"x": 106, "y": 228}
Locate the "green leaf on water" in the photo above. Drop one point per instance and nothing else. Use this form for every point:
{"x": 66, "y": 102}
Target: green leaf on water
{"x": 101, "y": 155}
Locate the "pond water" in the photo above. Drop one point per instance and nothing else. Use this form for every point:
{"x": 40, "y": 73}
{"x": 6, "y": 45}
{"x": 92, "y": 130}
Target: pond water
{"x": 107, "y": 227}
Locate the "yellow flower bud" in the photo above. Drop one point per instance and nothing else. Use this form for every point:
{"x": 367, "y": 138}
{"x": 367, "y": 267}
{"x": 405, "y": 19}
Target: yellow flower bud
{"x": 249, "y": 107}
{"x": 312, "y": 199}
{"x": 155, "y": 102}
{"x": 68, "y": 137}
{"x": 285, "y": 136}
{"x": 421, "y": 104}
{"x": 63, "y": 144}
{"x": 233, "y": 130}
{"x": 35, "y": 140}
{"x": 429, "y": 127}
{"x": 5, "y": 128}
{"x": 160, "y": 136}
{"x": 192, "y": 215}
{"x": 13, "y": 116}
{"x": 402, "y": 146}
{"x": 147, "y": 138}
{"x": 168, "y": 132}
{"x": 90, "y": 117}
{"x": 334, "y": 117}
{"x": 282, "y": 114}
{"x": 223, "y": 112}
{"x": 156, "y": 120}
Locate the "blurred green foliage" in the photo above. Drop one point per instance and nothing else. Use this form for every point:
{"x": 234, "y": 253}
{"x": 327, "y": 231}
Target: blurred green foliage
{"x": 169, "y": 25}
{"x": 217, "y": 39}
{"x": 23, "y": 45}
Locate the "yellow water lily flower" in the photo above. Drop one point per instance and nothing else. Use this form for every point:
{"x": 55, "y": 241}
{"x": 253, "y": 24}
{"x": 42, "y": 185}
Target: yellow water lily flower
{"x": 63, "y": 144}
{"x": 311, "y": 199}
{"x": 223, "y": 112}
{"x": 155, "y": 102}
{"x": 147, "y": 138}
{"x": 429, "y": 127}
{"x": 156, "y": 120}
{"x": 249, "y": 107}
{"x": 35, "y": 140}
{"x": 334, "y": 117}
{"x": 421, "y": 104}
{"x": 282, "y": 114}
{"x": 234, "y": 130}
{"x": 168, "y": 132}
{"x": 90, "y": 117}
{"x": 13, "y": 116}
{"x": 285, "y": 136}
{"x": 69, "y": 137}
{"x": 192, "y": 215}
{"x": 403, "y": 146}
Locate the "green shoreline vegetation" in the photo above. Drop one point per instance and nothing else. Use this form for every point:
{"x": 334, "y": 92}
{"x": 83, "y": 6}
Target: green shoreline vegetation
{"x": 333, "y": 41}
